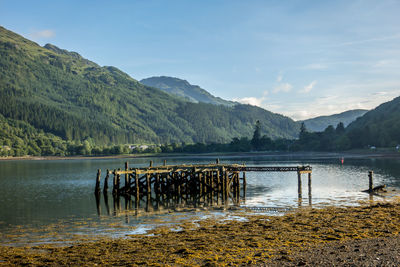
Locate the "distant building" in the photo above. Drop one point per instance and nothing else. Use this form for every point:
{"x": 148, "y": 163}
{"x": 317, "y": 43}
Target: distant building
{"x": 372, "y": 147}
{"x": 397, "y": 147}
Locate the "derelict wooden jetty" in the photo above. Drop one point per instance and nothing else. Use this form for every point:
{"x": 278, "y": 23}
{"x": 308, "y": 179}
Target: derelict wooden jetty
{"x": 195, "y": 184}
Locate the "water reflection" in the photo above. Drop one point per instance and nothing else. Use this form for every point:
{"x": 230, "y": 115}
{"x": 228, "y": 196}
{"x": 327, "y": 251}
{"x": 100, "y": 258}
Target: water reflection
{"x": 62, "y": 191}
{"x": 165, "y": 202}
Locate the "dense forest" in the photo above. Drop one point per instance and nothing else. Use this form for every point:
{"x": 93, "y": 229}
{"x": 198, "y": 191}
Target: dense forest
{"x": 60, "y": 93}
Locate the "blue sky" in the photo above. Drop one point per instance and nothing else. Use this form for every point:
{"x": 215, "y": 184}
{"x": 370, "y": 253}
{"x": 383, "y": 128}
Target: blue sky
{"x": 298, "y": 58}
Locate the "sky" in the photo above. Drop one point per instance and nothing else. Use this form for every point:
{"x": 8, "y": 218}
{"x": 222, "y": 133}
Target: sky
{"x": 299, "y": 58}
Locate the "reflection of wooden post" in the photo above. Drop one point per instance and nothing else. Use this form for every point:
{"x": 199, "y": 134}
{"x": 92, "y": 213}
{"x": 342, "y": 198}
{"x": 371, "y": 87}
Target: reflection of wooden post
{"x": 165, "y": 162}
{"x": 98, "y": 202}
{"x": 217, "y": 161}
{"x": 97, "y": 188}
{"x": 105, "y": 195}
{"x": 151, "y": 163}
{"x": 371, "y": 182}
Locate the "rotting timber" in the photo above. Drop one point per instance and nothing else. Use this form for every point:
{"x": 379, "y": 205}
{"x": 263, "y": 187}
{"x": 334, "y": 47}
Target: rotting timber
{"x": 196, "y": 184}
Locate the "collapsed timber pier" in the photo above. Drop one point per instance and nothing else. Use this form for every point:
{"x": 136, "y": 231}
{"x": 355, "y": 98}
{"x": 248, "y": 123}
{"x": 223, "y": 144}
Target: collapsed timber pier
{"x": 194, "y": 185}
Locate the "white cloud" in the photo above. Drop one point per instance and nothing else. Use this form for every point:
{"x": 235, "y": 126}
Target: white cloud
{"x": 44, "y": 34}
{"x": 309, "y": 87}
{"x": 283, "y": 87}
{"x": 279, "y": 78}
{"x": 250, "y": 100}
{"x": 254, "y": 101}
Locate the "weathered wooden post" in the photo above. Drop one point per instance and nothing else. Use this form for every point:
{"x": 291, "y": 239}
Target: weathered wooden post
{"x": 165, "y": 162}
{"x": 137, "y": 192}
{"x": 223, "y": 182}
{"x": 217, "y": 161}
{"x": 105, "y": 188}
{"x": 299, "y": 183}
{"x": 97, "y": 187}
{"x": 127, "y": 182}
{"x": 244, "y": 185}
{"x": 309, "y": 189}
{"x": 151, "y": 163}
{"x": 118, "y": 182}
{"x": 115, "y": 189}
{"x": 371, "y": 182}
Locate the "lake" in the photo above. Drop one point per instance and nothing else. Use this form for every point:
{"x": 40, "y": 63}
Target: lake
{"x": 50, "y": 200}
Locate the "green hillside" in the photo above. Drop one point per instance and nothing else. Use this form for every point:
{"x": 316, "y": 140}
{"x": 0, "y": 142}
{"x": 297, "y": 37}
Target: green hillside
{"x": 60, "y": 93}
{"x": 378, "y": 127}
{"x": 185, "y": 90}
{"x": 320, "y": 123}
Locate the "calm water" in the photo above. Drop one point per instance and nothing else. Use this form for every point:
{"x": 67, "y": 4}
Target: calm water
{"x": 56, "y": 197}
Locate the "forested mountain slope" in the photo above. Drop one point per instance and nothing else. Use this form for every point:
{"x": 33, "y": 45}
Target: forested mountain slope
{"x": 184, "y": 89}
{"x": 378, "y": 127}
{"x": 61, "y": 93}
{"x": 320, "y": 123}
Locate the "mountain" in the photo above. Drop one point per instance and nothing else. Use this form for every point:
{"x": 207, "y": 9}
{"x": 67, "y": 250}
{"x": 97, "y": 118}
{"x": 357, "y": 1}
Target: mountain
{"x": 185, "y": 90}
{"x": 319, "y": 124}
{"x": 63, "y": 95}
{"x": 378, "y": 127}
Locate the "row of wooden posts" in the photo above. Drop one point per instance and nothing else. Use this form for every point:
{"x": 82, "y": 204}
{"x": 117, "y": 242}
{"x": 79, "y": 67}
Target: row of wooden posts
{"x": 189, "y": 185}
{"x": 186, "y": 184}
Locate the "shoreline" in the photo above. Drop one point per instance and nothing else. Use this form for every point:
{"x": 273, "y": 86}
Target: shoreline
{"x": 295, "y": 155}
{"x": 332, "y": 235}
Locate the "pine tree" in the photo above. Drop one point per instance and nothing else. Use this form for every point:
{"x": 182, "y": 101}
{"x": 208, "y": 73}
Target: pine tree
{"x": 255, "y": 142}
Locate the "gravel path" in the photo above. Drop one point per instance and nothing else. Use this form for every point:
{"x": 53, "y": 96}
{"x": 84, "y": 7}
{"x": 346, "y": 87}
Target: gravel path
{"x": 363, "y": 252}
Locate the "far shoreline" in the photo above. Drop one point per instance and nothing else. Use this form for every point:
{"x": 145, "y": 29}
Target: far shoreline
{"x": 293, "y": 155}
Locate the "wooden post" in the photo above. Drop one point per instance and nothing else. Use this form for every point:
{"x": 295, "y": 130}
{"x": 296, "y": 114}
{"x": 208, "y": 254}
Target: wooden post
{"x": 226, "y": 179}
{"x": 165, "y": 162}
{"x": 118, "y": 182}
{"x": 309, "y": 189}
{"x": 97, "y": 188}
{"x": 115, "y": 190}
{"x": 200, "y": 184}
{"x": 151, "y": 163}
{"x": 106, "y": 181}
{"x": 178, "y": 183}
{"x": 126, "y": 176}
{"x": 137, "y": 192}
{"x": 299, "y": 183}
{"x": 212, "y": 187}
{"x": 217, "y": 161}
{"x": 244, "y": 185}
{"x": 371, "y": 182}
{"x": 148, "y": 185}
